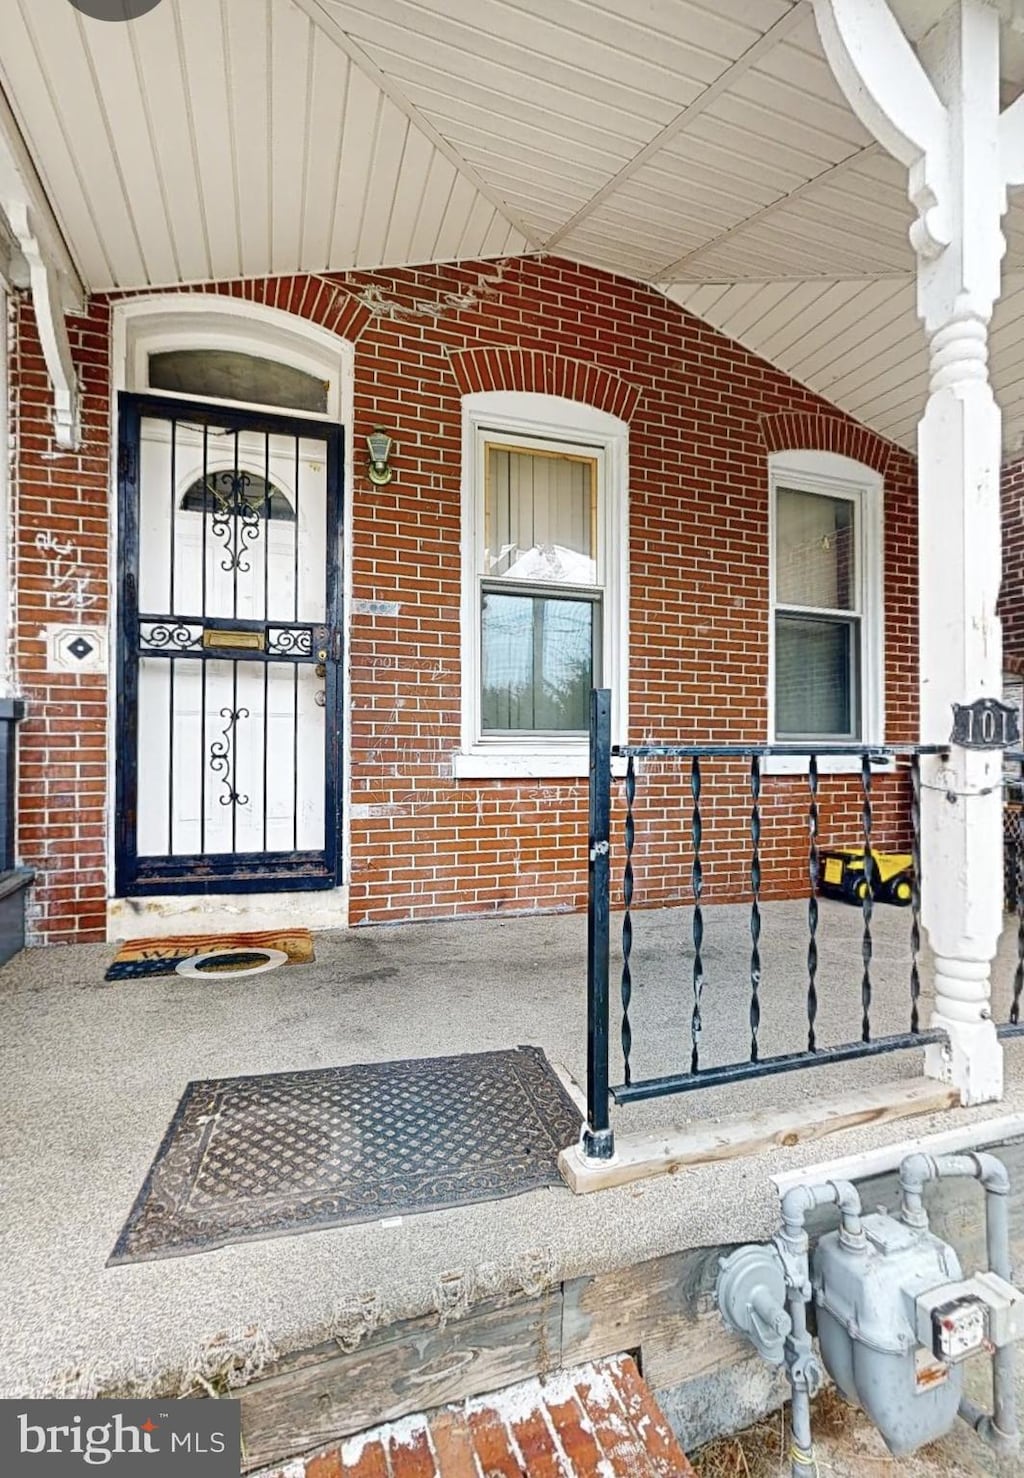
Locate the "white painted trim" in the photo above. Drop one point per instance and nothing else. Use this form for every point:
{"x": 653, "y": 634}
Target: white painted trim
{"x": 209, "y": 321}
{"x": 833, "y": 475}
{"x": 887, "y": 1157}
{"x": 530, "y": 765}
{"x": 828, "y": 764}
{"x": 20, "y": 184}
{"x": 307, "y": 346}
{"x": 545, "y": 419}
{"x": 48, "y": 307}
{"x": 226, "y": 913}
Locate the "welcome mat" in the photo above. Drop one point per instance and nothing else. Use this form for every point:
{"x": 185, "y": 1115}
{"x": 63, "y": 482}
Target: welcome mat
{"x": 253, "y": 1157}
{"x": 140, "y": 958}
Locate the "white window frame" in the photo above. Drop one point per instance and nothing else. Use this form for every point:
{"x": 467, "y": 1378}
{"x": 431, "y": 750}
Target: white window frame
{"x": 547, "y": 422}
{"x": 834, "y": 476}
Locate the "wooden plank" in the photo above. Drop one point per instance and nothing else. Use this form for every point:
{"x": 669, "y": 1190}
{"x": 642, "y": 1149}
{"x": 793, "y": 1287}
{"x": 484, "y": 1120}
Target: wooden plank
{"x": 493, "y": 1346}
{"x": 641, "y": 1156}
{"x": 694, "y": 1351}
{"x": 663, "y": 1308}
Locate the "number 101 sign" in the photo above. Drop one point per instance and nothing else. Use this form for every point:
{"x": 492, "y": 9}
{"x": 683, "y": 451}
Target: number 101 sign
{"x": 985, "y": 724}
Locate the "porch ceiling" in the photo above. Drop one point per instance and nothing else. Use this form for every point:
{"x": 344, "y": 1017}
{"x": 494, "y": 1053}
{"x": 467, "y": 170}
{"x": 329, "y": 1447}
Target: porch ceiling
{"x": 699, "y": 145}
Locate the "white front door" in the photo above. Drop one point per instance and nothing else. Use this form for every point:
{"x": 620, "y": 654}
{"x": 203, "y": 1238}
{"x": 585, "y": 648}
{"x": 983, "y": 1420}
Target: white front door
{"x": 230, "y": 645}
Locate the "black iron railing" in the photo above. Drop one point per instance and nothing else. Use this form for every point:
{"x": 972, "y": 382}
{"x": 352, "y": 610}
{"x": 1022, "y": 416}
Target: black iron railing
{"x": 696, "y": 761}
{"x": 1013, "y": 877}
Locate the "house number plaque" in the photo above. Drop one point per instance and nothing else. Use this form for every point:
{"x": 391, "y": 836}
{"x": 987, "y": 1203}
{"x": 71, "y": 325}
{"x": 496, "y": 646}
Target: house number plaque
{"x": 985, "y": 724}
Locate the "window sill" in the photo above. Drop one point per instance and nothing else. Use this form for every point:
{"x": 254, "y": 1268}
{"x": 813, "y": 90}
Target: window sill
{"x": 527, "y": 765}
{"x": 828, "y": 764}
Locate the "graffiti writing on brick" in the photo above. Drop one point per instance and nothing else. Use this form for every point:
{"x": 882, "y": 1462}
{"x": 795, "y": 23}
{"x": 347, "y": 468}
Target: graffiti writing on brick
{"x": 68, "y": 580}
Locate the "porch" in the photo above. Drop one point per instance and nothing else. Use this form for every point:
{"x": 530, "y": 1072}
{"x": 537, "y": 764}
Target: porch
{"x": 91, "y": 1075}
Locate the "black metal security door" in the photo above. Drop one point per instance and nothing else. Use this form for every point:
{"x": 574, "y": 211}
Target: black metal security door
{"x": 229, "y": 655}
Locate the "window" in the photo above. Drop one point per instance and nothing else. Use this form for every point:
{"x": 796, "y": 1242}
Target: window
{"x": 827, "y": 677}
{"x": 540, "y": 602}
{"x": 233, "y": 351}
{"x": 543, "y": 582}
{"x": 225, "y": 374}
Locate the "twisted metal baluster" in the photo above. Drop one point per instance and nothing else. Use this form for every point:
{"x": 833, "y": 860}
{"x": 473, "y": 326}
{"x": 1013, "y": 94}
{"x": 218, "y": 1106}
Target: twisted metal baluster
{"x": 915, "y": 892}
{"x": 627, "y": 921}
{"x": 813, "y": 865}
{"x": 697, "y": 883}
{"x": 867, "y": 900}
{"x": 755, "y": 903}
{"x": 1018, "y": 975}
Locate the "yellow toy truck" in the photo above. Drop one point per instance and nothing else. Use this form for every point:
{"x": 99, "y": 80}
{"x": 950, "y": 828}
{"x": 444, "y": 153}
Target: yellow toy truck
{"x": 841, "y": 875}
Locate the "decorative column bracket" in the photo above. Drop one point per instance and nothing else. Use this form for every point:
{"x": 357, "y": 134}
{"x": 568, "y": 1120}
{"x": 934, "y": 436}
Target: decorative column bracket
{"x": 53, "y": 335}
{"x": 52, "y": 277}
{"x": 892, "y": 95}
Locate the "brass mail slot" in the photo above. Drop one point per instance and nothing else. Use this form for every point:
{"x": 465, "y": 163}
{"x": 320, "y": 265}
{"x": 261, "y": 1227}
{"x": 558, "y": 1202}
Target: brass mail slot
{"x": 252, "y": 641}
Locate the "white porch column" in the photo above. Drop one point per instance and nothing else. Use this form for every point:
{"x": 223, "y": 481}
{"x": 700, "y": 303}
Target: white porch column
{"x": 938, "y": 112}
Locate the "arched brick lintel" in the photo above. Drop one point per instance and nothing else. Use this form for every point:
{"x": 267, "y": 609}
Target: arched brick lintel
{"x": 808, "y": 431}
{"x": 494, "y": 367}
{"x": 316, "y": 299}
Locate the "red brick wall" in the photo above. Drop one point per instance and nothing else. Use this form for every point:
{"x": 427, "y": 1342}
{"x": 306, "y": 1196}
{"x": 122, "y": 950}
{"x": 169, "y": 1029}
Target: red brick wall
{"x": 704, "y": 414}
{"x": 60, "y": 546}
{"x": 1011, "y": 595}
{"x": 705, "y": 418}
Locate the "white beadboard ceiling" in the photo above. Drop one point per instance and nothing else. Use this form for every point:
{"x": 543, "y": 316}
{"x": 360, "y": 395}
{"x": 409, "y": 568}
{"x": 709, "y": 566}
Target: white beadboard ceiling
{"x": 698, "y": 145}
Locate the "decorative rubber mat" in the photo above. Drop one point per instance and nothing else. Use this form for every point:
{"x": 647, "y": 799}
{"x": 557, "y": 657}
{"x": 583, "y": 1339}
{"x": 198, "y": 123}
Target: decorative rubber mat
{"x": 138, "y": 959}
{"x": 252, "y": 1157}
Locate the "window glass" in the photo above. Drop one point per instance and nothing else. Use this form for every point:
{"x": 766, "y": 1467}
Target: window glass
{"x": 541, "y": 638}
{"x": 224, "y": 374}
{"x": 814, "y": 551}
{"x": 818, "y": 628}
{"x": 816, "y": 678}
{"x": 539, "y": 516}
{"x": 538, "y": 661}
{"x": 226, "y": 493}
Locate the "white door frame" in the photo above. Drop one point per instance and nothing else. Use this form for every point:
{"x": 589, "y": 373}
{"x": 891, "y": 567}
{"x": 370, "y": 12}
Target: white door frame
{"x": 140, "y": 326}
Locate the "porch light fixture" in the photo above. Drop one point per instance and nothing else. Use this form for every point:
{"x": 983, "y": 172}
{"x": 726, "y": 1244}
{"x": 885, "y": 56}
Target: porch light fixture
{"x": 378, "y": 470}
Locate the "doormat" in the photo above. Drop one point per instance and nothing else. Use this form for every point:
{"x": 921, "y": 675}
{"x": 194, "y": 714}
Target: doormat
{"x": 138, "y": 959}
{"x": 254, "y": 1157}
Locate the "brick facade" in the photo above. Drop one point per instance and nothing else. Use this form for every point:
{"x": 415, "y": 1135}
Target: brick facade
{"x": 1011, "y": 594}
{"x": 703, "y": 415}
{"x": 60, "y": 567}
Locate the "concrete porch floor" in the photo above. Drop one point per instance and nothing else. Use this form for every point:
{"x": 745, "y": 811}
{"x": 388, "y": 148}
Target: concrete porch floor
{"x": 90, "y": 1075}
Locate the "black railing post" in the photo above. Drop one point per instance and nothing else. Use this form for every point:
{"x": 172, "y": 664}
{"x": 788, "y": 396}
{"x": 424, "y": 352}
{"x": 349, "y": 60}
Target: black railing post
{"x": 598, "y": 1140}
